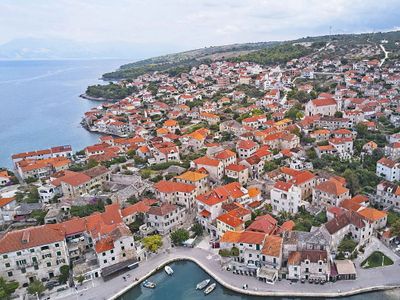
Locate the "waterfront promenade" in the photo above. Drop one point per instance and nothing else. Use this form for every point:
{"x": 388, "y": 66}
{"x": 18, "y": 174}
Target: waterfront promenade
{"x": 368, "y": 280}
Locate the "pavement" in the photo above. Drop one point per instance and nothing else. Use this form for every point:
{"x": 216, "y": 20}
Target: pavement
{"x": 367, "y": 279}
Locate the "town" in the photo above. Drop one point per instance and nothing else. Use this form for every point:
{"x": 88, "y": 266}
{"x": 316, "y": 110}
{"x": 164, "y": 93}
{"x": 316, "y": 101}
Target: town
{"x": 285, "y": 172}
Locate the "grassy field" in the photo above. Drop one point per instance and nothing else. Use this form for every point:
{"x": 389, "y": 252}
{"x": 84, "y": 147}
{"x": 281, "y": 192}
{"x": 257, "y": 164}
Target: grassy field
{"x": 376, "y": 259}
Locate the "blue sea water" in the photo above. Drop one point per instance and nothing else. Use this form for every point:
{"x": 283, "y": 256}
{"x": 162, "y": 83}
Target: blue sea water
{"x": 40, "y": 105}
{"x": 181, "y": 286}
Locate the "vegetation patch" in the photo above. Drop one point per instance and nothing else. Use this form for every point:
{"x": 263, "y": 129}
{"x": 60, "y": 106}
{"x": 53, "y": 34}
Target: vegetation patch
{"x": 376, "y": 259}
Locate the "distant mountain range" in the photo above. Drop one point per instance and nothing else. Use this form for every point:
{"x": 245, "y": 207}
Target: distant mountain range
{"x": 34, "y": 48}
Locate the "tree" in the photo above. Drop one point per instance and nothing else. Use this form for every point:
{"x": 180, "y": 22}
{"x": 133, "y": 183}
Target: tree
{"x": 197, "y": 229}
{"x": 91, "y": 163}
{"x": 152, "y": 242}
{"x": 64, "y": 274}
{"x": 395, "y": 229}
{"x": 338, "y": 114}
{"x": 179, "y": 236}
{"x": 7, "y": 288}
{"x": 36, "y": 288}
{"x": 80, "y": 279}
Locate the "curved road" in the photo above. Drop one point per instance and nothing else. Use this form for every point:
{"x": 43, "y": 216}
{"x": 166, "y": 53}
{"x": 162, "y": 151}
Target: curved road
{"x": 368, "y": 280}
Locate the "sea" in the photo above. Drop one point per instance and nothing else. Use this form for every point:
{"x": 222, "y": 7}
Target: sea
{"x": 40, "y": 105}
{"x": 181, "y": 286}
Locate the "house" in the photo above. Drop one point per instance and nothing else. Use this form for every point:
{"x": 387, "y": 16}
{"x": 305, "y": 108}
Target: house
{"x": 265, "y": 223}
{"x": 172, "y": 126}
{"x": 7, "y": 209}
{"x": 246, "y": 148}
{"x": 5, "y": 177}
{"x": 330, "y": 192}
{"x": 308, "y": 264}
{"x": 233, "y": 220}
{"x": 177, "y": 193}
{"x": 393, "y": 150}
{"x": 321, "y": 106}
{"x": 255, "y": 165}
{"x": 115, "y": 248}
{"x": 165, "y": 218}
{"x": 214, "y": 167}
{"x": 388, "y": 169}
{"x": 343, "y": 146}
{"x": 41, "y": 168}
{"x": 198, "y": 179}
{"x": 34, "y": 252}
{"x": 238, "y": 172}
{"x": 349, "y": 223}
{"x": 75, "y": 184}
{"x": 387, "y": 196}
{"x": 227, "y": 157}
{"x": 285, "y": 197}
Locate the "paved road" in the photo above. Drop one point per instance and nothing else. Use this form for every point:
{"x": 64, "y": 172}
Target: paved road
{"x": 386, "y": 55}
{"x": 386, "y": 276}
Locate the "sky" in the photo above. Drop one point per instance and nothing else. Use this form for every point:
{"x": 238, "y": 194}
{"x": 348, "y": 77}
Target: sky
{"x": 176, "y": 25}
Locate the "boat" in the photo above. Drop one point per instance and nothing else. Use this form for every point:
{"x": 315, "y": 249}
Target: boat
{"x": 168, "y": 270}
{"x": 203, "y": 284}
{"x": 149, "y": 284}
{"x": 210, "y": 288}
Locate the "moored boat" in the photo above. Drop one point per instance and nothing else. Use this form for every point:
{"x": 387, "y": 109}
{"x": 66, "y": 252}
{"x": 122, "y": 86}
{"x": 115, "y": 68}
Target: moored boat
{"x": 203, "y": 284}
{"x": 168, "y": 270}
{"x": 149, "y": 284}
{"x": 210, "y": 288}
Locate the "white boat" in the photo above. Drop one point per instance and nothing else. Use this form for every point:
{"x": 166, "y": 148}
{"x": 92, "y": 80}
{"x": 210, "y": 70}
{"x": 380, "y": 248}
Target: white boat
{"x": 168, "y": 270}
{"x": 203, "y": 284}
{"x": 210, "y": 288}
{"x": 149, "y": 284}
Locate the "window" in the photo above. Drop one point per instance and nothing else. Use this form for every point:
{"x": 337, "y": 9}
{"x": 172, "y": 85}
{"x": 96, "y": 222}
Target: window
{"x": 57, "y": 245}
{"x": 19, "y": 253}
{"x": 105, "y": 261}
{"x": 32, "y": 250}
{"x": 8, "y": 265}
{"x": 49, "y": 264}
{"x": 5, "y": 256}
{"x": 10, "y": 274}
{"x": 23, "y": 270}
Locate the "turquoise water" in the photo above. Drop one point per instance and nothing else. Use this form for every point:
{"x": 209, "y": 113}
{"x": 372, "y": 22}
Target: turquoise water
{"x": 181, "y": 286}
{"x": 40, "y": 105}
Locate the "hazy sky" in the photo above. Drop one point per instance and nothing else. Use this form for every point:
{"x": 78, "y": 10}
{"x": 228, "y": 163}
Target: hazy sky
{"x": 179, "y": 24}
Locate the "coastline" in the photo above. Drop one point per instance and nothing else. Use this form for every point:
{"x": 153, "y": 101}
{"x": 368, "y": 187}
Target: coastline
{"x": 253, "y": 292}
{"x": 101, "y": 99}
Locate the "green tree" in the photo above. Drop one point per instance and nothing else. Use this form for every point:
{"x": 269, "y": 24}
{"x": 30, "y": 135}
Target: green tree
{"x": 7, "y": 288}
{"x": 64, "y": 274}
{"x": 179, "y": 236}
{"x": 91, "y": 163}
{"x": 36, "y": 288}
{"x": 152, "y": 242}
{"x": 395, "y": 229}
{"x": 80, "y": 279}
{"x": 197, "y": 229}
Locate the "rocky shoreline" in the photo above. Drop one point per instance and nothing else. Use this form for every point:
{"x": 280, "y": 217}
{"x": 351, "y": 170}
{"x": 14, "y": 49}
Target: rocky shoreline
{"x": 100, "y": 99}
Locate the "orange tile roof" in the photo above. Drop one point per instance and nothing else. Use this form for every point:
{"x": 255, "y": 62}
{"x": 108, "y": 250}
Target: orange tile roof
{"x": 230, "y": 220}
{"x": 246, "y": 144}
{"x": 192, "y": 176}
{"x": 236, "y": 167}
{"x": 165, "y": 186}
{"x": 253, "y": 192}
{"x": 246, "y": 237}
{"x": 170, "y": 123}
{"x": 224, "y": 154}
{"x": 333, "y": 187}
{"x": 139, "y": 207}
{"x": 104, "y": 244}
{"x": 207, "y": 161}
{"x": 272, "y": 246}
{"x": 5, "y": 201}
{"x": 372, "y": 214}
{"x": 30, "y": 237}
